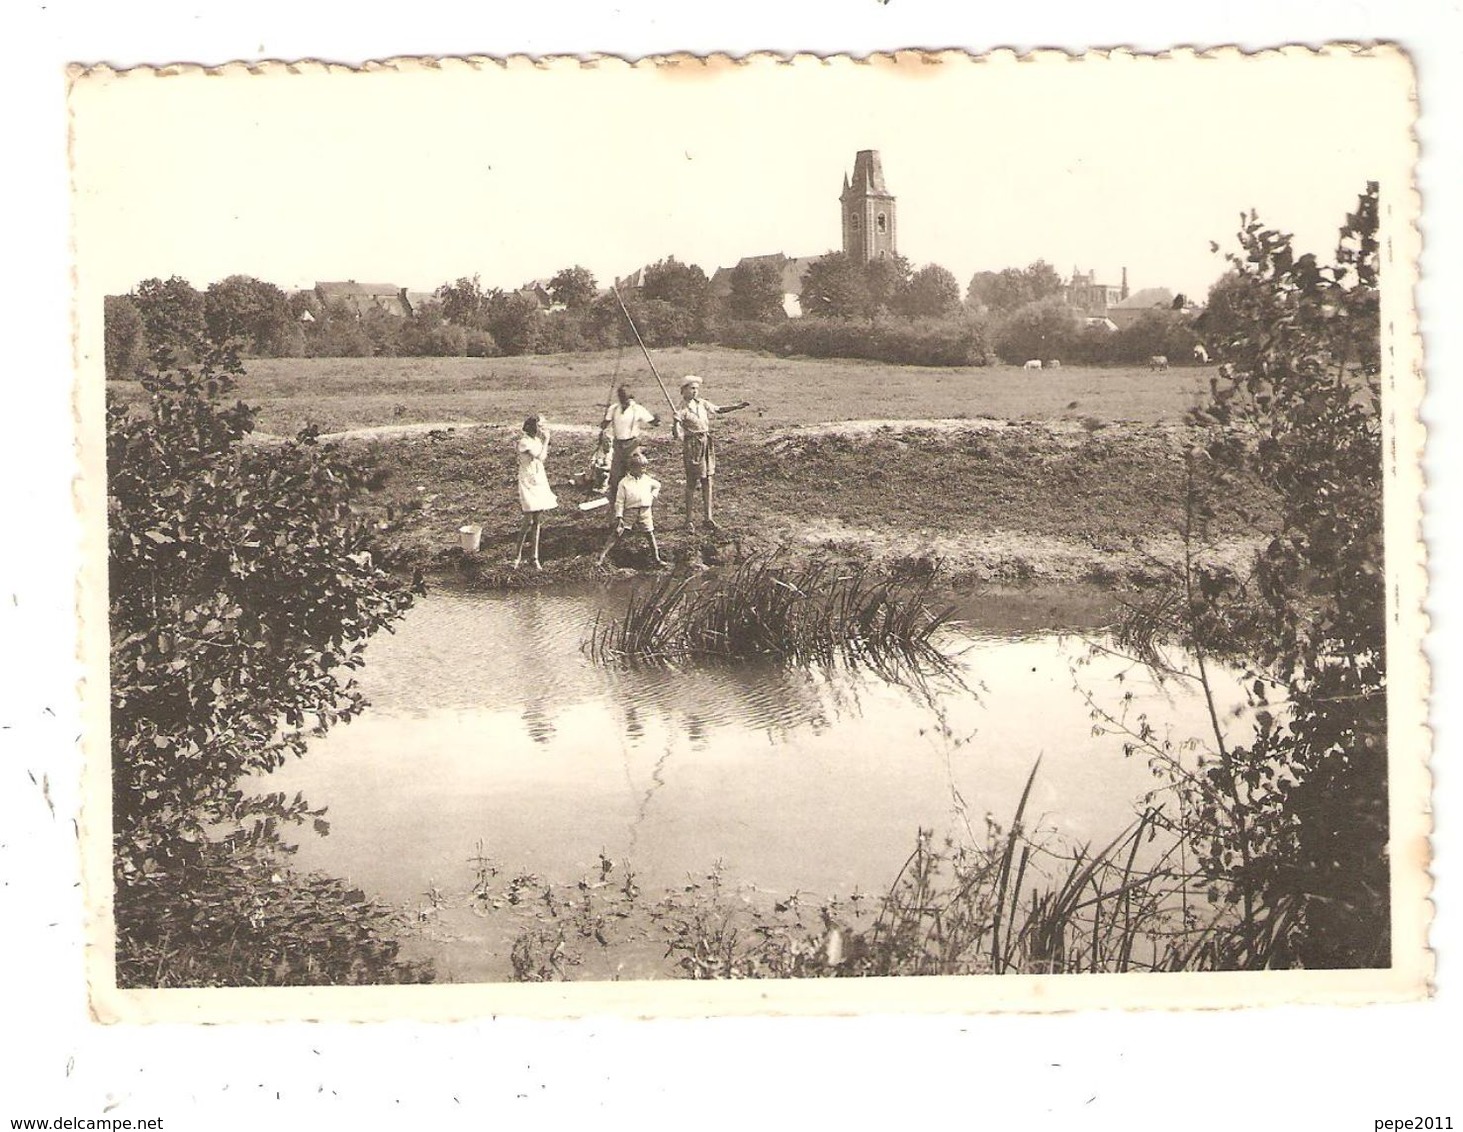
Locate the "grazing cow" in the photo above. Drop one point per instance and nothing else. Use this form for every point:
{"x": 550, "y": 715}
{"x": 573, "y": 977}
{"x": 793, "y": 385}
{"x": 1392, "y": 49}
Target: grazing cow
{"x": 1157, "y": 361}
{"x": 1055, "y": 363}
{"x": 1226, "y": 371}
{"x": 1201, "y": 355}
{"x": 1034, "y": 363}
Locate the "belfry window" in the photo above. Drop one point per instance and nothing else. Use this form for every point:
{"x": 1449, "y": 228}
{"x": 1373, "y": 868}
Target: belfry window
{"x": 883, "y": 223}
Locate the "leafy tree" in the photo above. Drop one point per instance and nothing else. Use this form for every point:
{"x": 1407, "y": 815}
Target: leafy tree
{"x": 243, "y": 589}
{"x": 305, "y": 302}
{"x": 1294, "y": 824}
{"x": 339, "y": 333}
{"x": 1153, "y": 332}
{"x": 515, "y": 322}
{"x": 756, "y": 292}
{"x": 886, "y": 278}
{"x": 464, "y": 303}
{"x": 574, "y": 286}
{"x": 1235, "y": 302}
{"x": 932, "y": 293}
{"x": 247, "y": 311}
{"x": 1001, "y": 292}
{"x": 1042, "y": 280}
{"x": 835, "y": 286}
{"x": 1043, "y": 329}
{"x": 683, "y": 286}
{"x": 124, "y": 339}
{"x": 172, "y": 316}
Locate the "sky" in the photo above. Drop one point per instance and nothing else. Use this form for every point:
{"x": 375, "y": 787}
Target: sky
{"x": 418, "y": 176}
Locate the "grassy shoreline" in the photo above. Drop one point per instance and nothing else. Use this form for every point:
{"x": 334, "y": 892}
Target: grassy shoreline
{"x": 986, "y": 501}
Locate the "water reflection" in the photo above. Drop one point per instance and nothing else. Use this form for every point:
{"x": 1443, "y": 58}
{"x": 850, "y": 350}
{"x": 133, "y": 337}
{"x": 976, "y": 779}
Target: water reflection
{"x": 489, "y": 722}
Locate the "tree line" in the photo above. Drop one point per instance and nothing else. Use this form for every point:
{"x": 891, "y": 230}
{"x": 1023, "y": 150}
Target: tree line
{"x": 885, "y": 310}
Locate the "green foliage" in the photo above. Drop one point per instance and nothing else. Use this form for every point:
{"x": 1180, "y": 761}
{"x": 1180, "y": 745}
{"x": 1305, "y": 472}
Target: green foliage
{"x": 249, "y": 314}
{"x": 339, "y": 333}
{"x": 886, "y": 279}
{"x": 574, "y": 287}
{"x": 124, "y": 338}
{"x": 464, "y": 303}
{"x": 172, "y": 316}
{"x": 660, "y": 323}
{"x": 917, "y": 342}
{"x": 931, "y": 293}
{"x": 1294, "y": 825}
{"x": 996, "y": 902}
{"x": 756, "y": 292}
{"x": 246, "y": 919}
{"x": 243, "y": 589}
{"x": 683, "y": 286}
{"x": 808, "y": 614}
{"x": 1042, "y": 329}
{"x": 835, "y": 286}
{"x": 515, "y": 321}
{"x": 1001, "y": 292}
{"x": 1236, "y": 303}
{"x": 1165, "y": 332}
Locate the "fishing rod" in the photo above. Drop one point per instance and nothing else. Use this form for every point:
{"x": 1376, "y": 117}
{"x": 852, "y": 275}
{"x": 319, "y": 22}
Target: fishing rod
{"x": 643, "y": 350}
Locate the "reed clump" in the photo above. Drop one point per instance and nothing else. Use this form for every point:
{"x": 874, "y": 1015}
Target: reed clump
{"x": 765, "y": 609}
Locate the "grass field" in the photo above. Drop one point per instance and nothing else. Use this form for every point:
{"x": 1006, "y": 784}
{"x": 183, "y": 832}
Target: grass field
{"x": 338, "y": 394}
{"x": 1067, "y": 474}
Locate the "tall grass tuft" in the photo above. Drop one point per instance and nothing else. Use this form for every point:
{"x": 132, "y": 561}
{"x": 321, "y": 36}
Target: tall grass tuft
{"x": 806, "y": 614}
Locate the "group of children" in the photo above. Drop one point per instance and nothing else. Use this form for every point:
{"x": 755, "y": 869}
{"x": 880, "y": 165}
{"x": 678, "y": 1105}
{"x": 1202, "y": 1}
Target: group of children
{"x": 618, "y": 468}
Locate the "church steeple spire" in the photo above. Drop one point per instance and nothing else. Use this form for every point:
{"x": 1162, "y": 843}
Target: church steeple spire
{"x": 868, "y": 210}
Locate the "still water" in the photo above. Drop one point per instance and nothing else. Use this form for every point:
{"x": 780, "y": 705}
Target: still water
{"x": 489, "y": 723}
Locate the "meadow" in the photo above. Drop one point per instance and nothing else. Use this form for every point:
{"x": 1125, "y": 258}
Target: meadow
{"x": 341, "y": 394}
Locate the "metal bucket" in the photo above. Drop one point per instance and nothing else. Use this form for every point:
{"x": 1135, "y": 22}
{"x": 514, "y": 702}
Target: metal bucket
{"x": 471, "y": 536}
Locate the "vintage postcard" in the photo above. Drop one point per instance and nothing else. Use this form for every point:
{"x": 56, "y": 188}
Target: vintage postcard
{"x": 710, "y": 535}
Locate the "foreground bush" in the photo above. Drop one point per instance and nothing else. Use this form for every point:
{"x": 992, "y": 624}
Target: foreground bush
{"x": 1293, "y": 824}
{"x": 239, "y": 916}
{"x": 242, "y": 591}
{"x": 916, "y": 342}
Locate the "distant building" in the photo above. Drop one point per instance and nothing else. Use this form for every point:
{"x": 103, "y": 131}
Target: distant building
{"x": 1091, "y": 299}
{"x": 869, "y": 230}
{"x": 1139, "y": 303}
{"x": 537, "y": 292}
{"x": 363, "y": 298}
{"x": 635, "y": 281}
{"x": 790, "y": 270}
{"x": 415, "y": 300}
{"x": 867, "y": 220}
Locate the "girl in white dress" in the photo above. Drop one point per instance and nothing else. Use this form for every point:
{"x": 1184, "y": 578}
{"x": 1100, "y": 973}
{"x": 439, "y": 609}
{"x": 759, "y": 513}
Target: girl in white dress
{"x": 534, "y": 494}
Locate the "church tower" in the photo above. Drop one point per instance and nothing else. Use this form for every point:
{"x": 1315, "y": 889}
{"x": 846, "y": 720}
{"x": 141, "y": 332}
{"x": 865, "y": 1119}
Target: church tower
{"x": 868, "y": 210}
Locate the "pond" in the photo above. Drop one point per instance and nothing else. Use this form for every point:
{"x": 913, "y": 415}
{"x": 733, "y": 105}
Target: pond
{"x": 489, "y": 724}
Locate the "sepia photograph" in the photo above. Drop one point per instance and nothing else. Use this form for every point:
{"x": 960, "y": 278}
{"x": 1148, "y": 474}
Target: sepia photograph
{"x": 710, "y": 535}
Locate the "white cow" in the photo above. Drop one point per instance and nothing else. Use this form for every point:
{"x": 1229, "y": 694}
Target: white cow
{"x": 1201, "y": 355}
{"x": 1157, "y": 361}
{"x": 1034, "y": 363}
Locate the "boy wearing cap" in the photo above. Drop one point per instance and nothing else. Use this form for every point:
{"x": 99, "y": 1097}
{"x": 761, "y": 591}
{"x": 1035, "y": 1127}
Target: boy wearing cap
{"x": 693, "y": 422}
{"x": 634, "y": 498}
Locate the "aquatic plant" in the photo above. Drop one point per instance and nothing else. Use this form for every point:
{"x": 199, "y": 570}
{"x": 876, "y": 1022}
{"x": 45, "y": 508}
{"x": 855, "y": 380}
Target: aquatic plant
{"x": 815, "y": 613}
{"x": 1008, "y": 905}
{"x": 1007, "y": 901}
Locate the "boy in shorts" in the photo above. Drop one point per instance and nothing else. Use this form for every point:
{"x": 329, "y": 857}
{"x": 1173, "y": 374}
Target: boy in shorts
{"x": 634, "y": 498}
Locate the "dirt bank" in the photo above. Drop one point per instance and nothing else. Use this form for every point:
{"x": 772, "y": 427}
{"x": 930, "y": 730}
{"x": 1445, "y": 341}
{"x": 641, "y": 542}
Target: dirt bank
{"x": 987, "y": 499}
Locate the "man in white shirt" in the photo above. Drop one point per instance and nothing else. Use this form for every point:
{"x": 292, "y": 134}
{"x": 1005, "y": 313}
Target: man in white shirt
{"x": 623, "y": 421}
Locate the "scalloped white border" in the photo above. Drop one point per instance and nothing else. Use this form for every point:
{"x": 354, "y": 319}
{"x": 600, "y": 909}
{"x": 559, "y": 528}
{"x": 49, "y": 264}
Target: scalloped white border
{"x": 1408, "y": 979}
